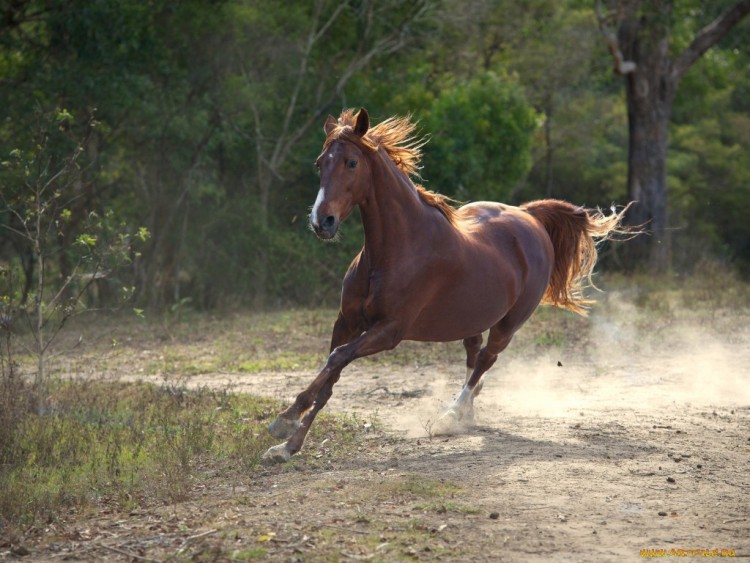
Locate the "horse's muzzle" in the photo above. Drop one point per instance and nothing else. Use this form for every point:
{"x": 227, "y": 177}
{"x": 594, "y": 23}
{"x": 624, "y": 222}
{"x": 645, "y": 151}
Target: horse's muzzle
{"x": 327, "y": 228}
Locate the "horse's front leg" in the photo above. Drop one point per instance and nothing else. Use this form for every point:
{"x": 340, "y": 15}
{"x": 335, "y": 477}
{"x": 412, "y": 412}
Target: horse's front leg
{"x": 287, "y": 423}
{"x": 284, "y": 451}
{"x": 291, "y": 419}
{"x": 295, "y": 422}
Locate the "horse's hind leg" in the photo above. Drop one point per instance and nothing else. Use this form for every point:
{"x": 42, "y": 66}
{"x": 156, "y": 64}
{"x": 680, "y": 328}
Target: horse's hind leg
{"x": 497, "y": 341}
{"x": 461, "y": 411}
{"x": 472, "y": 345}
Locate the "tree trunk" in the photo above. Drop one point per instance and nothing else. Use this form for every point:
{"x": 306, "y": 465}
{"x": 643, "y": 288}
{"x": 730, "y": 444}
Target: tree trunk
{"x": 640, "y": 52}
{"x": 649, "y": 92}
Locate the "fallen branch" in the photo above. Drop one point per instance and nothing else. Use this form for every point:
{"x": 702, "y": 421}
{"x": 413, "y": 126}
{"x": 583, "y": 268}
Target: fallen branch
{"x": 187, "y": 541}
{"x": 363, "y": 532}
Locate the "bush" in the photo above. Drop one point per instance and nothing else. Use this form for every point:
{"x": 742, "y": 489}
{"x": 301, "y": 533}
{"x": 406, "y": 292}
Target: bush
{"x": 480, "y": 138}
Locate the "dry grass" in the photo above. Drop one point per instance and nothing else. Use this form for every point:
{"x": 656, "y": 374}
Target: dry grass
{"x": 122, "y": 446}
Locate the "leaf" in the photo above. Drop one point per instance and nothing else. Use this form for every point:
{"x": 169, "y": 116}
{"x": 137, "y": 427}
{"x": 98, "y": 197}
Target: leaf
{"x": 268, "y": 536}
{"x": 64, "y": 116}
{"x": 86, "y": 239}
{"x": 143, "y": 234}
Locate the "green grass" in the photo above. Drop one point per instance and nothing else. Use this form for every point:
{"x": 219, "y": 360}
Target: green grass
{"x": 248, "y": 554}
{"x": 423, "y": 487}
{"x": 446, "y": 506}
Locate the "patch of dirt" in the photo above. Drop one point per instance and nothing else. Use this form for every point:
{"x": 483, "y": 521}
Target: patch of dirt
{"x": 641, "y": 442}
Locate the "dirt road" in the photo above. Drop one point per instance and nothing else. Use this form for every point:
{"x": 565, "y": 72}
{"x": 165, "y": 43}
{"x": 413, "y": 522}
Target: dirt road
{"x": 580, "y": 463}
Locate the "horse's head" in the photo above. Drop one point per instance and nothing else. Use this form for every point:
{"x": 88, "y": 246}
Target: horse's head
{"x": 344, "y": 175}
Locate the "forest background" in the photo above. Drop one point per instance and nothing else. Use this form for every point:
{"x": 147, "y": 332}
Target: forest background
{"x": 179, "y": 137}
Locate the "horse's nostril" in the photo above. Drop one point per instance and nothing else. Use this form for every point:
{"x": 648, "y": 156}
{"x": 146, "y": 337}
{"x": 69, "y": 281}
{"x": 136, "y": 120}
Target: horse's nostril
{"x": 328, "y": 222}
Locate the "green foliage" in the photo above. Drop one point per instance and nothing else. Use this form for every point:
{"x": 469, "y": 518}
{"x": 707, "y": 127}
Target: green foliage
{"x": 708, "y": 176}
{"x": 208, "y": 116}
{"x": 480, "y": 138}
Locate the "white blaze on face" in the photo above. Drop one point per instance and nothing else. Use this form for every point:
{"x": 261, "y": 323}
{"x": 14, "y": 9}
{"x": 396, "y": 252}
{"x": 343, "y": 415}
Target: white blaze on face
{"x": 318, "y": 202}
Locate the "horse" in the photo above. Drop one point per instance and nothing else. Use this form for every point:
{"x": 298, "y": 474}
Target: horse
{"x": 430, "y": 271}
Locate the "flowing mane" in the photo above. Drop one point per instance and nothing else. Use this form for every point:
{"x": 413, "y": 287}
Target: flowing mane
{"x": 396, "y": 137}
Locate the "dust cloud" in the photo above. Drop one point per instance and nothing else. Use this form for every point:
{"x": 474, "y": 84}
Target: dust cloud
{"x": 626, "y": 363}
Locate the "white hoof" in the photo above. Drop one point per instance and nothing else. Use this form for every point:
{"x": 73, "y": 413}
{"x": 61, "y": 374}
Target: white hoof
{"x": 277, "y": 454}
{"x": 457, "y": 419}
{"x": 446, "y": 425}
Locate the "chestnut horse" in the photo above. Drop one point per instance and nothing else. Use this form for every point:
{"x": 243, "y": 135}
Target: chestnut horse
{"x": 431, "y": 272}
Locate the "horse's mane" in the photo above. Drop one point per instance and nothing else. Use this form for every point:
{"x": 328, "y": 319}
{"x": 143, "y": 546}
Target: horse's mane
{"x": 396, "y": 137}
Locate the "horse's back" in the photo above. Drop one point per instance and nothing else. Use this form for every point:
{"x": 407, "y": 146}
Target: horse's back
{"x": 508, "y": 229}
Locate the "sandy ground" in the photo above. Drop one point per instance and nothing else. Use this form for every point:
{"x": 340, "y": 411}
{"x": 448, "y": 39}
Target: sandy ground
{"x": 639, "y": 443}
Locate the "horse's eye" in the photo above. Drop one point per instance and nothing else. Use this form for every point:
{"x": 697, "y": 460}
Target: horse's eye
{"x": 351, "y": 164}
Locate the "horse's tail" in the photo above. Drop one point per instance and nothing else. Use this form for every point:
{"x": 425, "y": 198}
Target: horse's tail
{"x": 574, "y": 232}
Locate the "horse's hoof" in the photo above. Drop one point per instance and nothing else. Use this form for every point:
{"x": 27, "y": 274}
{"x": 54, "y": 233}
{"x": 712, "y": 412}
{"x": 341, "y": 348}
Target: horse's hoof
{"x": 453, "y": 421}
{"x": 283, "y": 428}
{"x": 447, "y": 424}
{"x": 277, "y": 454}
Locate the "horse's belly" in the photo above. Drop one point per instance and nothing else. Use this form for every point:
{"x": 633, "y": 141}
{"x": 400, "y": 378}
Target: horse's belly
{"x": 457, "y": 315}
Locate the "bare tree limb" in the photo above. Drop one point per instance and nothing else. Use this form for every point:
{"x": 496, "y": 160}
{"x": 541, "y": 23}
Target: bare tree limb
{"x": 621, "y": 66}
{"x": 313, "y": 37}
{"x": 390, "y": 43}
{"x": 708, "y": 37}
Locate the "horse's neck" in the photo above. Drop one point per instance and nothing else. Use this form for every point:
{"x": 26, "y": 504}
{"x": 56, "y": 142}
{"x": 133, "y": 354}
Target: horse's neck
{"x": 393, "y": 215}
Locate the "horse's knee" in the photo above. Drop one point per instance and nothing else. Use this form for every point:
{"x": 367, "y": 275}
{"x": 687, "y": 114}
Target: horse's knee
{"x": 337, "y": 359}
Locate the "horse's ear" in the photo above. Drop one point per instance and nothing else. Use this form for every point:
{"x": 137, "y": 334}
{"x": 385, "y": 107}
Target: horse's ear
{"x": 330, "y": 124}
{"x": 363, "y": 123}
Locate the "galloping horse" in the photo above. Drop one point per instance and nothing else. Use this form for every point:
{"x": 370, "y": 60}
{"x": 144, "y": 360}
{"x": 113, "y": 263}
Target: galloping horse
{"x": 431, "y": 272}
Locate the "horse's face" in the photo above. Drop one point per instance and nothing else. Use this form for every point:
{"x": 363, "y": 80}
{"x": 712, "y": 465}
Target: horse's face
{"x": 344, "y": 180}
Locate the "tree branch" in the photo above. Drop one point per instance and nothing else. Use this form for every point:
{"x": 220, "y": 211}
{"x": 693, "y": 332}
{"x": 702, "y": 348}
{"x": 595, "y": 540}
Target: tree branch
{"x": 621, "y": 66}
{"x": 391, "y": 43}
{"x": 708, "y": 37}
{"x": 313, "y": 38}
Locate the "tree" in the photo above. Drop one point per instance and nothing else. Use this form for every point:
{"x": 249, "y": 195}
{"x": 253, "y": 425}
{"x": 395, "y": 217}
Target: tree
{"x": 640, "y": 48}
{"x": 303, "y": 63}
{"x": 38, "y": 188}
{"x": 480, "y": 138}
